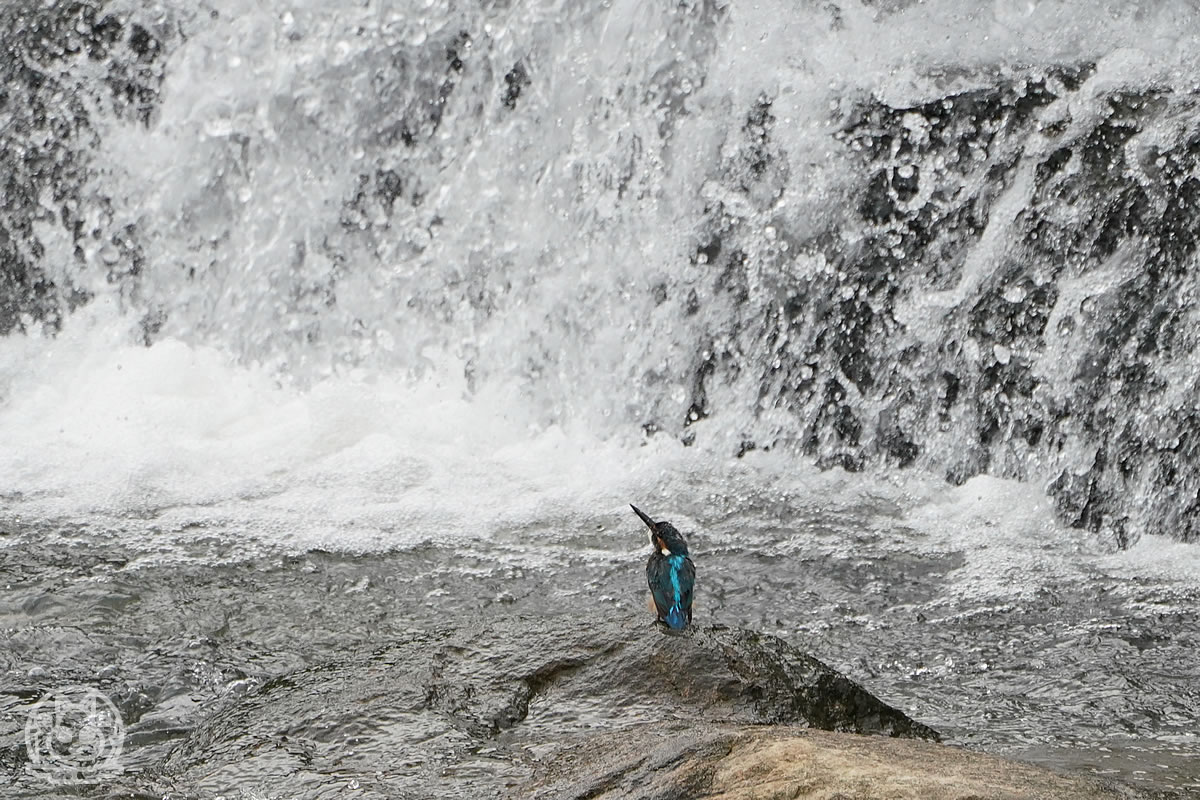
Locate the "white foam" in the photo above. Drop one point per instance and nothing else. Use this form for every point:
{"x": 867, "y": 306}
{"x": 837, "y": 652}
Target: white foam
{"x": 1014, "y": 546}
{"x": 1007, "y": 533}
{"x": 1155, "y": 559}
{"x": 177, "y": 443}
{"x": 95, "y": 426}
{"x": 183, "y": 453}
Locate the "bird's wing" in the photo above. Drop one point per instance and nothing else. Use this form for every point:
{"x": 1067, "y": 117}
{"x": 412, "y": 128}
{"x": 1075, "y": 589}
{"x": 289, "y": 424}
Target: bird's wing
{"x": 687, "y": 582}
{"x": 658, "y": 576}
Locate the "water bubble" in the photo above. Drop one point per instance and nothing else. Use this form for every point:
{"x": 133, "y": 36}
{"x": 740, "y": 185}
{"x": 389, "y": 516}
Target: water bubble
{"x": 244, "y": 194}
{"x": 109, "y": 254}
{"x": 217, "y": 128}
{"x": 1014, "y": 294}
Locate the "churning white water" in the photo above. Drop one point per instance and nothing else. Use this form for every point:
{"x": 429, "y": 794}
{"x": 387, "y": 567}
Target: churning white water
{"x": 394, "y": 256}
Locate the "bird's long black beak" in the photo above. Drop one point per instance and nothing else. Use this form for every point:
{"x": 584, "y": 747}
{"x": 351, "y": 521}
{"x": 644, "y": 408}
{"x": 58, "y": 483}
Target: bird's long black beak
{"x": 649, "y": 522}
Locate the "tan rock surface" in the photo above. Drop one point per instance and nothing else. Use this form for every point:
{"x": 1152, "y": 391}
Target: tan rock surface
{"x": 790, "y": 763}
{"x": 815, "y": 765}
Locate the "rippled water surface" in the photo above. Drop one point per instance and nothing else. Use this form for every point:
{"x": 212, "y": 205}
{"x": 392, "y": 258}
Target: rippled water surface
{"x": 949, "y": 603}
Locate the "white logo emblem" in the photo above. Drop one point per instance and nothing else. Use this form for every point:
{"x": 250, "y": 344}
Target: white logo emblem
{"x": 74, "y": 735}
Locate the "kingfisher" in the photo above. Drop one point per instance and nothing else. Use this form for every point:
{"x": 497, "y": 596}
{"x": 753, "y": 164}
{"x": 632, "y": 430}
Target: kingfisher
{"x": 670, "y": 573}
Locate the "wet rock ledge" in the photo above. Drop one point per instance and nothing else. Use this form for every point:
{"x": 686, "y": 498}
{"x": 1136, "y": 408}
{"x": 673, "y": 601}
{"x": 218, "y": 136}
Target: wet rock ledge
{"x": 559, "y": 708}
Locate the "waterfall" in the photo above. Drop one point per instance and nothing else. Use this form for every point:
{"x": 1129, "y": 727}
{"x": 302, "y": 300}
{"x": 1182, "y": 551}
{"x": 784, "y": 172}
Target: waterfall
{"x": 950, "y": 237}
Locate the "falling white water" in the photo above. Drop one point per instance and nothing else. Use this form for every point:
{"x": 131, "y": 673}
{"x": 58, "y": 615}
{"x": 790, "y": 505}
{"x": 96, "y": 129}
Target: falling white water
{"x": 387, "y": 297}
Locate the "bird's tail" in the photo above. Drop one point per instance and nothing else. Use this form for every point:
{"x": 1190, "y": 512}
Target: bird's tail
{"x": 676, "y": 618}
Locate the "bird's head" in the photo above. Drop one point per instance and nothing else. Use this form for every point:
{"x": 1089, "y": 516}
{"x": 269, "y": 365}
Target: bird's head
{"x": 663, "y": 536}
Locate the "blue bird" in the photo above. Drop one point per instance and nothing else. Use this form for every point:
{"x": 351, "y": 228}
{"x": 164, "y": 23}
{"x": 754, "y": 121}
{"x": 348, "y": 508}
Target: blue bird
{"x": 670, "y": 573}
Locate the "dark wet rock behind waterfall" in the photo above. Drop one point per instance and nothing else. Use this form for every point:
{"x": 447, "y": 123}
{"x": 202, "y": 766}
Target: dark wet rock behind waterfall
{"x": 71, "y": 59}
{"x": 1006, "y": 292}
{"x": 476, "y": 711}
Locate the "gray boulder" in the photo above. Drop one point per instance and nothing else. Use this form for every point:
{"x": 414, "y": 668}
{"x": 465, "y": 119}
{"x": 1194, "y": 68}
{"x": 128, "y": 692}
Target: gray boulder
{"x": 484, "y": 711}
